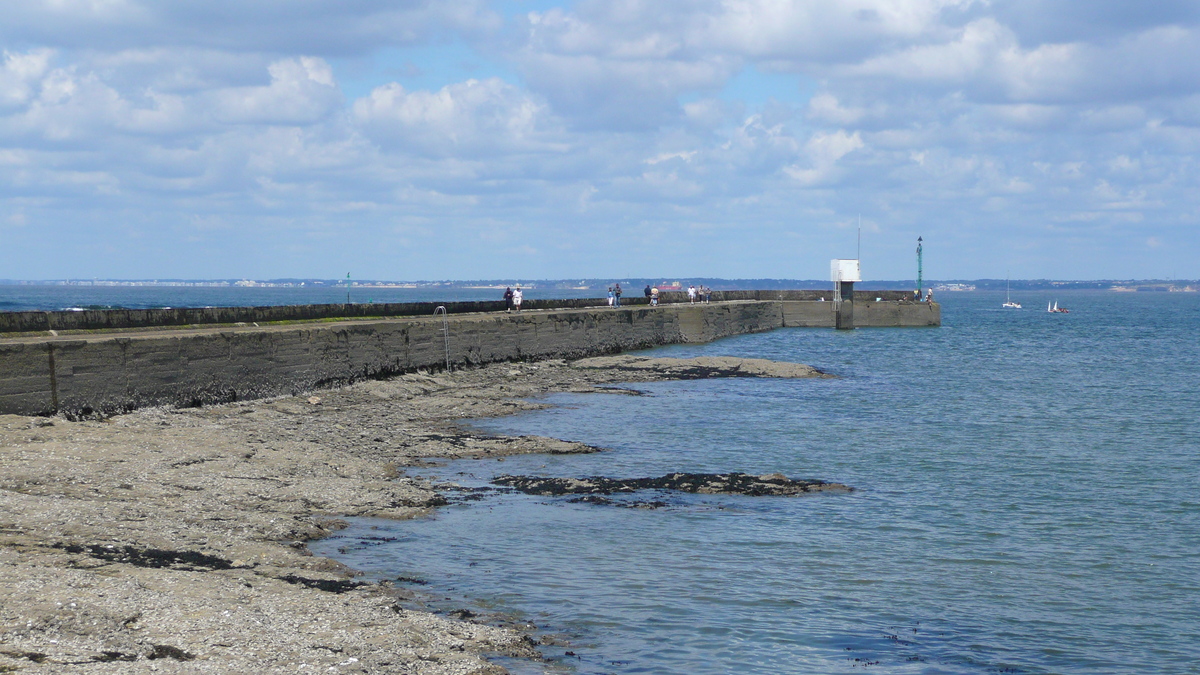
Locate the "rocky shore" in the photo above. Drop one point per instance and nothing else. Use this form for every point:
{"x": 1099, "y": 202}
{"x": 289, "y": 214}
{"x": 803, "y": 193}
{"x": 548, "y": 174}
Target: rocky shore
{"x": 775, "y": 485}
{"x": 172, "y": 540}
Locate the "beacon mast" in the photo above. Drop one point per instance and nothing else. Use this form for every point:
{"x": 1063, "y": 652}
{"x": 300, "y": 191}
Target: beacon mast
{"x": 920, "y": 275}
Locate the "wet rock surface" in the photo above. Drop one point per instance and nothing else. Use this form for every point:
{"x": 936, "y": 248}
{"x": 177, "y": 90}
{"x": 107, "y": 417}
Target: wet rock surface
{"x": 701, "y": 367}
{"x": 172, "y": 540}
{"x": 776, "y": 485}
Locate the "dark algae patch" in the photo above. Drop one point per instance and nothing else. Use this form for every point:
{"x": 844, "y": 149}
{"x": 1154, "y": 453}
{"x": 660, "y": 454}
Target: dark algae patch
{"x": 774, "y": 485}
{"x": 327, "y": 585}
{"x": 151, "y": 557}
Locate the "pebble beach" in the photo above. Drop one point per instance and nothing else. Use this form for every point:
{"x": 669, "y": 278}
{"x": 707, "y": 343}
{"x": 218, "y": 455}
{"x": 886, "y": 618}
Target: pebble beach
{"x": 174, "y": 540}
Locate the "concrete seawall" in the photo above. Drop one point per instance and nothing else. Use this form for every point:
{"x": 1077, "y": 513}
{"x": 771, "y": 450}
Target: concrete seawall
{"x": 15, "y": 323}
{"x": 114, "y": 371}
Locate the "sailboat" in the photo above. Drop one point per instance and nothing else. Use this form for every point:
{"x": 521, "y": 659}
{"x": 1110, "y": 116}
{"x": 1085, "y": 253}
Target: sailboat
{"x": 1008, "y": 299}
{"x": 1056, "y": 309}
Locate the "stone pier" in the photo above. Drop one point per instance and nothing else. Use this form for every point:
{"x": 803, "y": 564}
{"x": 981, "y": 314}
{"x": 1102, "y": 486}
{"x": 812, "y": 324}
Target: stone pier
{"x": 83, "y": 372}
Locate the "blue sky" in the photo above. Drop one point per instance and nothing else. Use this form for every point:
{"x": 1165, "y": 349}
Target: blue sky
{"x": 734, "y": 138}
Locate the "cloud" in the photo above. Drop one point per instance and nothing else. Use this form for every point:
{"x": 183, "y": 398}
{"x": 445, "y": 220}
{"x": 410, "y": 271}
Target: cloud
{"x": 984, "y": 59}
{"x": 821, "y": 32}
{"x": 825, "y": 107}
{"x": 987, "y": 62}
{"x": 20, "y": 75}
{"x": 1061, "y": 21}
{"x": 301, "y": 91}
{"x": 78, "y": 106}
{"x": 666, "y": 156}
{"x": 327, "y": 27}
{"x": 143, "y": 124}
{"x": 823, "y": 150}
{"x": 632, "y": 95}
{"x": 472, "y": 118}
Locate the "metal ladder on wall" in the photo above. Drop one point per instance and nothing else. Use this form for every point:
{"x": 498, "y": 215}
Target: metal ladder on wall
{"x": 441, "y": 309}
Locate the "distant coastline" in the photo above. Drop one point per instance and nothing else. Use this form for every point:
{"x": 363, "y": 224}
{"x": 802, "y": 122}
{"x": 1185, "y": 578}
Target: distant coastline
{"x": 634, "y": 284}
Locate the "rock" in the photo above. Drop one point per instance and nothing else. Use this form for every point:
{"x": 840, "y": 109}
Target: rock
{"x": 701, "y": 483}
{"x": 701, "y": 367}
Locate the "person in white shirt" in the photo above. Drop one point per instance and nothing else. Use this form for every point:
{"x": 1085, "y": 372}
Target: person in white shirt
{"x": 692, "y": 294}
{"x": 517, "y": 297}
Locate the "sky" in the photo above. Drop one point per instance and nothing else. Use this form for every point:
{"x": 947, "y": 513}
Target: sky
{"x": 476, "y": 139}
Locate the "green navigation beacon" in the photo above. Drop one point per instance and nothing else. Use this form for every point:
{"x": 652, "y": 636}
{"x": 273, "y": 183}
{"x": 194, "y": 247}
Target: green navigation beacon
{"x": 920, "y": 275}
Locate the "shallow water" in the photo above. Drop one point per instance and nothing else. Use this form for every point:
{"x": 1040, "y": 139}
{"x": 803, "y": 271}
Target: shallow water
{"x": 1025, "y": 502}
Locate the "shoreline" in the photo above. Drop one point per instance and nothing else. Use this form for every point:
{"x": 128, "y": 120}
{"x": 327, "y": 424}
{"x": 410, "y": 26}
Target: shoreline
{"x": 173, "y": 540}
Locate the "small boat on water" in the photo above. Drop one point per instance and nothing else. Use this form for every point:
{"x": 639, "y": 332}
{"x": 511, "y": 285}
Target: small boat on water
{"x": 1056, "y": 309}
{"x": 1008, "y": 298}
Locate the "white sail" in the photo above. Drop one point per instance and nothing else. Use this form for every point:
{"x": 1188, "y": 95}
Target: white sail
{"x": 1008, "y": 297}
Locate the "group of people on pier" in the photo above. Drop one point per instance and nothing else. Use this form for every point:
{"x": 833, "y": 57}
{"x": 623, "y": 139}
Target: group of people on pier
{"x": 614, "y": 295}
{"x": 701, "y": 294}
{"x": 512, "y": 299}
{"x": 695, "y": 294}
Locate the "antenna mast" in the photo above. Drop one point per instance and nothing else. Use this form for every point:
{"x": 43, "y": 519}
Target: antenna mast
{"x": 858, "y": 253}
{"x": 920, "y": 274}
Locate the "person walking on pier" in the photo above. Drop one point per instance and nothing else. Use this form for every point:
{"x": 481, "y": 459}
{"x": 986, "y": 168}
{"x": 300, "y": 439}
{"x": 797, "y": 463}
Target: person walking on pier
{"x": 617, "y": 295}
{"x": 508, "y": 299}
{"x": 692, "y": 294}
{"x": 517, "y": 297}
{"x": 654, "y": 297}
{"x": 647, "y": 292}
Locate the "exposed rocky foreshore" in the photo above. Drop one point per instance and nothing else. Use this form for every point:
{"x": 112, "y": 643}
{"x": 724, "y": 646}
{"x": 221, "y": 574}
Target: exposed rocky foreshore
{"x": 775, "y": 484}
{"x": 699, "y": 367}
{"x": 172, "y": 541}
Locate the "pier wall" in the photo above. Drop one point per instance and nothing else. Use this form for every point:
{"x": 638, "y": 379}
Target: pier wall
{"x": 108, "y": 372}
{"x": 13, "y": 323}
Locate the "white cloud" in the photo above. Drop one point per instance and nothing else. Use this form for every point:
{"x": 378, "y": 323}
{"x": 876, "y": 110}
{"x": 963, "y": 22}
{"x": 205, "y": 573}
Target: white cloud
{"x": 666, "y": 156}
{"x": 599, "y": 92}
{"x": 328, "y": 27}
{"x": 966, "y": 119}
{"x": 20, "y": 76}
{"x": 821, "y": 32}
{"x": 822, "y": 152}
{"x": 825, "y": 107}
{"x": 80, "y": 106}
{"x": 470, "y": 118}
{"x": 301, "y": 91}
{"x": 984, "y": 57}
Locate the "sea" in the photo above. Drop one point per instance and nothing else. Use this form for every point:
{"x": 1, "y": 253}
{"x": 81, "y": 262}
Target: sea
{"x": 1026, "y": 500}
{"x": 73, "y": 297}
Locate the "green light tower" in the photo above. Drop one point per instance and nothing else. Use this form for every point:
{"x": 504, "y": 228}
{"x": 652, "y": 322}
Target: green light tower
{"x": 920, "y": 274}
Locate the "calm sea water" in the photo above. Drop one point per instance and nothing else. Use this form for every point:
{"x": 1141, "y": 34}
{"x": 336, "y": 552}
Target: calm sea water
{"x": 1026, "y": 499}
{"x": 28, "y": 297}
{"x": 1027, "y": 502}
